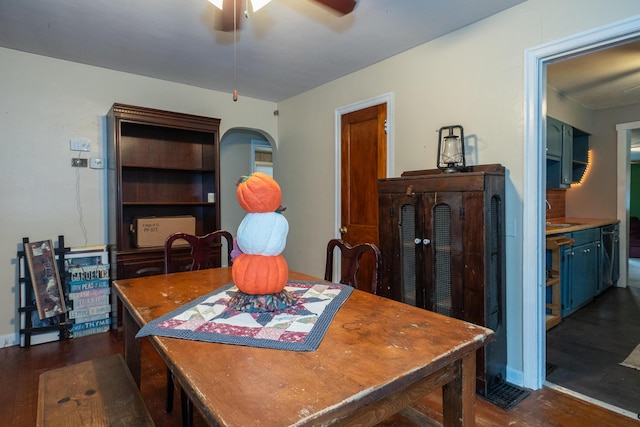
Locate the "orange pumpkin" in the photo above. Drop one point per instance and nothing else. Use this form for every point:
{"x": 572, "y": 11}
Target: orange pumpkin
{"x": 259, "y": 193}
{"x": 260, "y": 274}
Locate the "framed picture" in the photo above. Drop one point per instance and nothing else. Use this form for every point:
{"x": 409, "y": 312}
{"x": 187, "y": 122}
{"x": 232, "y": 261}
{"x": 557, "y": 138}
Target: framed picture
{"x": 47, "y": 288}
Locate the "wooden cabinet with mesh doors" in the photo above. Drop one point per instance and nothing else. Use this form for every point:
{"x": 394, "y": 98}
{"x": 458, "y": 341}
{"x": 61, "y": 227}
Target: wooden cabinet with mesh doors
{"x": 442, "y": 238}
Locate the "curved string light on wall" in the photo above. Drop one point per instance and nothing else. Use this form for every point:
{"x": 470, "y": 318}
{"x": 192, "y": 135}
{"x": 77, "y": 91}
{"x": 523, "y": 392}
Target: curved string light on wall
{"x": 586, "y": 171}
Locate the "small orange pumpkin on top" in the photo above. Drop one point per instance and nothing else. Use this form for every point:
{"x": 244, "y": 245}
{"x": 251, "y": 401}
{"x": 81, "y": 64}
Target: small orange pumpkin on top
{"x": 259, "y": 193}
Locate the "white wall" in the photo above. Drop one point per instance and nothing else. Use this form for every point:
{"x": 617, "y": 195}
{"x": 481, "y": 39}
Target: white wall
{"x": 473, "y": 77}
{"x": 569, "y": 111}
{"x": 44, "y": 103}
{"x": 597, "y": 194}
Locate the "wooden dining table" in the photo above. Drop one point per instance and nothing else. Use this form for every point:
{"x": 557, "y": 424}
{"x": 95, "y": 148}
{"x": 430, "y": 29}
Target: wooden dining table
{"x": 378, "y": 356}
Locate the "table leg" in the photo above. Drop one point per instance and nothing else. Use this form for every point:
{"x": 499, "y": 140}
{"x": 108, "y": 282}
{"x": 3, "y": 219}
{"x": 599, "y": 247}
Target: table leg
{"x": 458, "y": 396}
{"x": 132, "y": 350}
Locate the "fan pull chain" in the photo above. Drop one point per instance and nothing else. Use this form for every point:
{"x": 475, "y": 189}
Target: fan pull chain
{"x": 235, "y": 42}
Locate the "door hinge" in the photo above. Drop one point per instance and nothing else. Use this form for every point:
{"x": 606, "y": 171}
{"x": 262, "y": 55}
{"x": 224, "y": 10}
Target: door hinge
{"x": 385, "y": 126}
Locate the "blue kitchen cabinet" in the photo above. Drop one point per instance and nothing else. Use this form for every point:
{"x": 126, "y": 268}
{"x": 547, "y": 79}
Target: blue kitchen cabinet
{"x": 580, "y": 269}
{"x": 559, "y": 154}
{"x": 567, "y": 154}
{"x": 584, "y": 270}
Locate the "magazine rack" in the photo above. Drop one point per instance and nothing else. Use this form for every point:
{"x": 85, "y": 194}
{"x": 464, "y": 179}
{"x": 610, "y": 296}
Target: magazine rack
{"x": 30, "y": 324}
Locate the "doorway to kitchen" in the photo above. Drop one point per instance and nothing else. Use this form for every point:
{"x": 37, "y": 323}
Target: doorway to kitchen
{"x": 536, "y": 59}
{"x": 584, "y": 352}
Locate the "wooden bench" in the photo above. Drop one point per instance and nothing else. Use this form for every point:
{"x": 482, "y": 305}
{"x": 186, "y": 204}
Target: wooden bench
{"x": 99, "y": 392}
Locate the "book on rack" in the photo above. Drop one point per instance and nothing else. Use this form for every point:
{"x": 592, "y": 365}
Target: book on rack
{"x": 88, "y": 272}
{"x": 91, "y": 324}
{"x": 89, "y": 290}
{"x": 90, "y": 302}
{"x": 89, "y": 249}
{"x": 85, "y": 285}
{"x": 92, "y": 331}
{"x": 90, "y": 293}
{"x": 90, "y": 311}
{"x": 91, "y": 318}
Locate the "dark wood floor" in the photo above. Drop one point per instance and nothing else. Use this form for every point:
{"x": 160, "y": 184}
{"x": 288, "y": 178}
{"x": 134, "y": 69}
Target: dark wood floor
{"x": 585, "y": 350}
{"x": 20, "y": 369}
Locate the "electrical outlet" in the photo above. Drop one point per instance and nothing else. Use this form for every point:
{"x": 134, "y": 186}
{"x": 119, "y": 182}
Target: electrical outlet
{"x": 96, "y": 163}
{"x": 78, "y": 163}
{"x": 79, "y": 145}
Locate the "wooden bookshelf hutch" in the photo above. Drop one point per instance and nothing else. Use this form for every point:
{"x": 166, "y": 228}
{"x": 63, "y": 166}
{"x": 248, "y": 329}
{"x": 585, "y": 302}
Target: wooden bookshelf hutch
{"x": 160, "y": 163}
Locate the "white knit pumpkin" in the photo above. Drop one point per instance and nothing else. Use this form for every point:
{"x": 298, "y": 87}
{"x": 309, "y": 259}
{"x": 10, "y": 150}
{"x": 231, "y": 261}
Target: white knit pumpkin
{"x": 263, "y": 233}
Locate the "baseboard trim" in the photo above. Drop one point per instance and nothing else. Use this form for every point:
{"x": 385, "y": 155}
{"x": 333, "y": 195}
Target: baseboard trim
{"x": 515, "y": 377}
{"x": 596, "y": 402}
{"x": 9, "y": 340}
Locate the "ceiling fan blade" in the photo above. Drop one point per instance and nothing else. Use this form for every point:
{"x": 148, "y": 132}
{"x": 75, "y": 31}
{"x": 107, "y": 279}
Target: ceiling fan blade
{"x": 342, "y": 6}
{"x": 227, "y": 20}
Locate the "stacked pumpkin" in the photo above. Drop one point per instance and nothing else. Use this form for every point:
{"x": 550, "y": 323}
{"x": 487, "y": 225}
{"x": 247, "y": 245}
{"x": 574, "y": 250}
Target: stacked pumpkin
{"x": 261, "y": 269}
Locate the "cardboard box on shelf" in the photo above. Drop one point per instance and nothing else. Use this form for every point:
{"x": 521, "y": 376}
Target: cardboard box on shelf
{"x": 153, "y": 231}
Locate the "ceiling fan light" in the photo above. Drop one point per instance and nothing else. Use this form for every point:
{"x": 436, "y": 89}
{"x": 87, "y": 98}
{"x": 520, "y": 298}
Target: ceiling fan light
{"x": 258, "y": 4}
{"x": 217, "y": 3}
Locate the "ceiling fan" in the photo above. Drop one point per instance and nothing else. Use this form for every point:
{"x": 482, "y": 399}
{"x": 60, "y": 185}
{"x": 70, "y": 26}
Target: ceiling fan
{"x": 231, "y": 18}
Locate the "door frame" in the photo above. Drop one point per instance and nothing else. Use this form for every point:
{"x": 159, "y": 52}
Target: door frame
{"x": 533, "y": 218}
{"x": 387, "y": 98}
{"x": 624, "y": 193}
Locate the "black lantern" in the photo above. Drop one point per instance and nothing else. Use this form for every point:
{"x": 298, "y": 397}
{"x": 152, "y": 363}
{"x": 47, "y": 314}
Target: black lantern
{"x": 451, "y": 148}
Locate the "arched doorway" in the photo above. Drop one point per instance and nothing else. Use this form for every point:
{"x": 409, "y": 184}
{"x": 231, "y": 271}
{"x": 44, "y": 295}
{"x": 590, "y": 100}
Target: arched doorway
{"x": 237, "y": 158}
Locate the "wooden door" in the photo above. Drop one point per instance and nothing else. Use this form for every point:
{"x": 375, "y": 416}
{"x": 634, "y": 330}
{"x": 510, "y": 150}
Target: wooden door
{"x": 363, "y": 162}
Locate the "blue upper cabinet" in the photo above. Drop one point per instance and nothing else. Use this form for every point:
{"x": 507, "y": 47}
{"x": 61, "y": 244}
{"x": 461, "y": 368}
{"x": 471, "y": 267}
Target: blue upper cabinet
{"x": 562, "y": 141}
{"x": 554, "y": 139}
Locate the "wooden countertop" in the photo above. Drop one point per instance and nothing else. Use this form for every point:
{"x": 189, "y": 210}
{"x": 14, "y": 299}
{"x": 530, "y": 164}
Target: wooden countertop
{"x": 575, "y": 224}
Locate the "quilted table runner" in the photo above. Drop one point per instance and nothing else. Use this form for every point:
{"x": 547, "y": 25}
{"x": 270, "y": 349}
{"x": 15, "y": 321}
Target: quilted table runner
{"x": 300, "y": 327}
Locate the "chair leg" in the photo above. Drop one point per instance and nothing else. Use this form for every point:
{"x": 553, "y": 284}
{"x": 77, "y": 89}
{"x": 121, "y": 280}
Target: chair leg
{"x": 170, "y": 387}
{"x": 187, "y": 409}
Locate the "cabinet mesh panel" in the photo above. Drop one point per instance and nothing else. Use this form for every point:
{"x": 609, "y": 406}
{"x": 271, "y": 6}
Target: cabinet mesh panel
{"x": 495, "y": 279}
{"x": 442, "y": 259}
{"x": 407, "y": 226}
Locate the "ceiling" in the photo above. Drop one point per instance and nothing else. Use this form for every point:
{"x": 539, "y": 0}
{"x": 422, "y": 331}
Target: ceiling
{"x": 603, "y": 79}
{"x": 284, "y": 49}
{"x": 607, "y": 78}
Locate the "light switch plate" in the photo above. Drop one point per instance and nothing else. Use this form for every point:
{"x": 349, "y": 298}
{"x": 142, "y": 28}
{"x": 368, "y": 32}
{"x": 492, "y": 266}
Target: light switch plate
{"x": 79, "y": 144}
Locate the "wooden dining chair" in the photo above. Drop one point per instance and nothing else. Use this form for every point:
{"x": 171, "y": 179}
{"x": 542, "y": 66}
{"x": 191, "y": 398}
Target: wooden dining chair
{"x": 350, "y": 257}
{"x": 201, "y": 251}
{"x": 199, "y": 256}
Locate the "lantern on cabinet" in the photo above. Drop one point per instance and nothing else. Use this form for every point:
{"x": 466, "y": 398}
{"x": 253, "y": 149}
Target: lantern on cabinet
{"x": 451, "y": 148}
